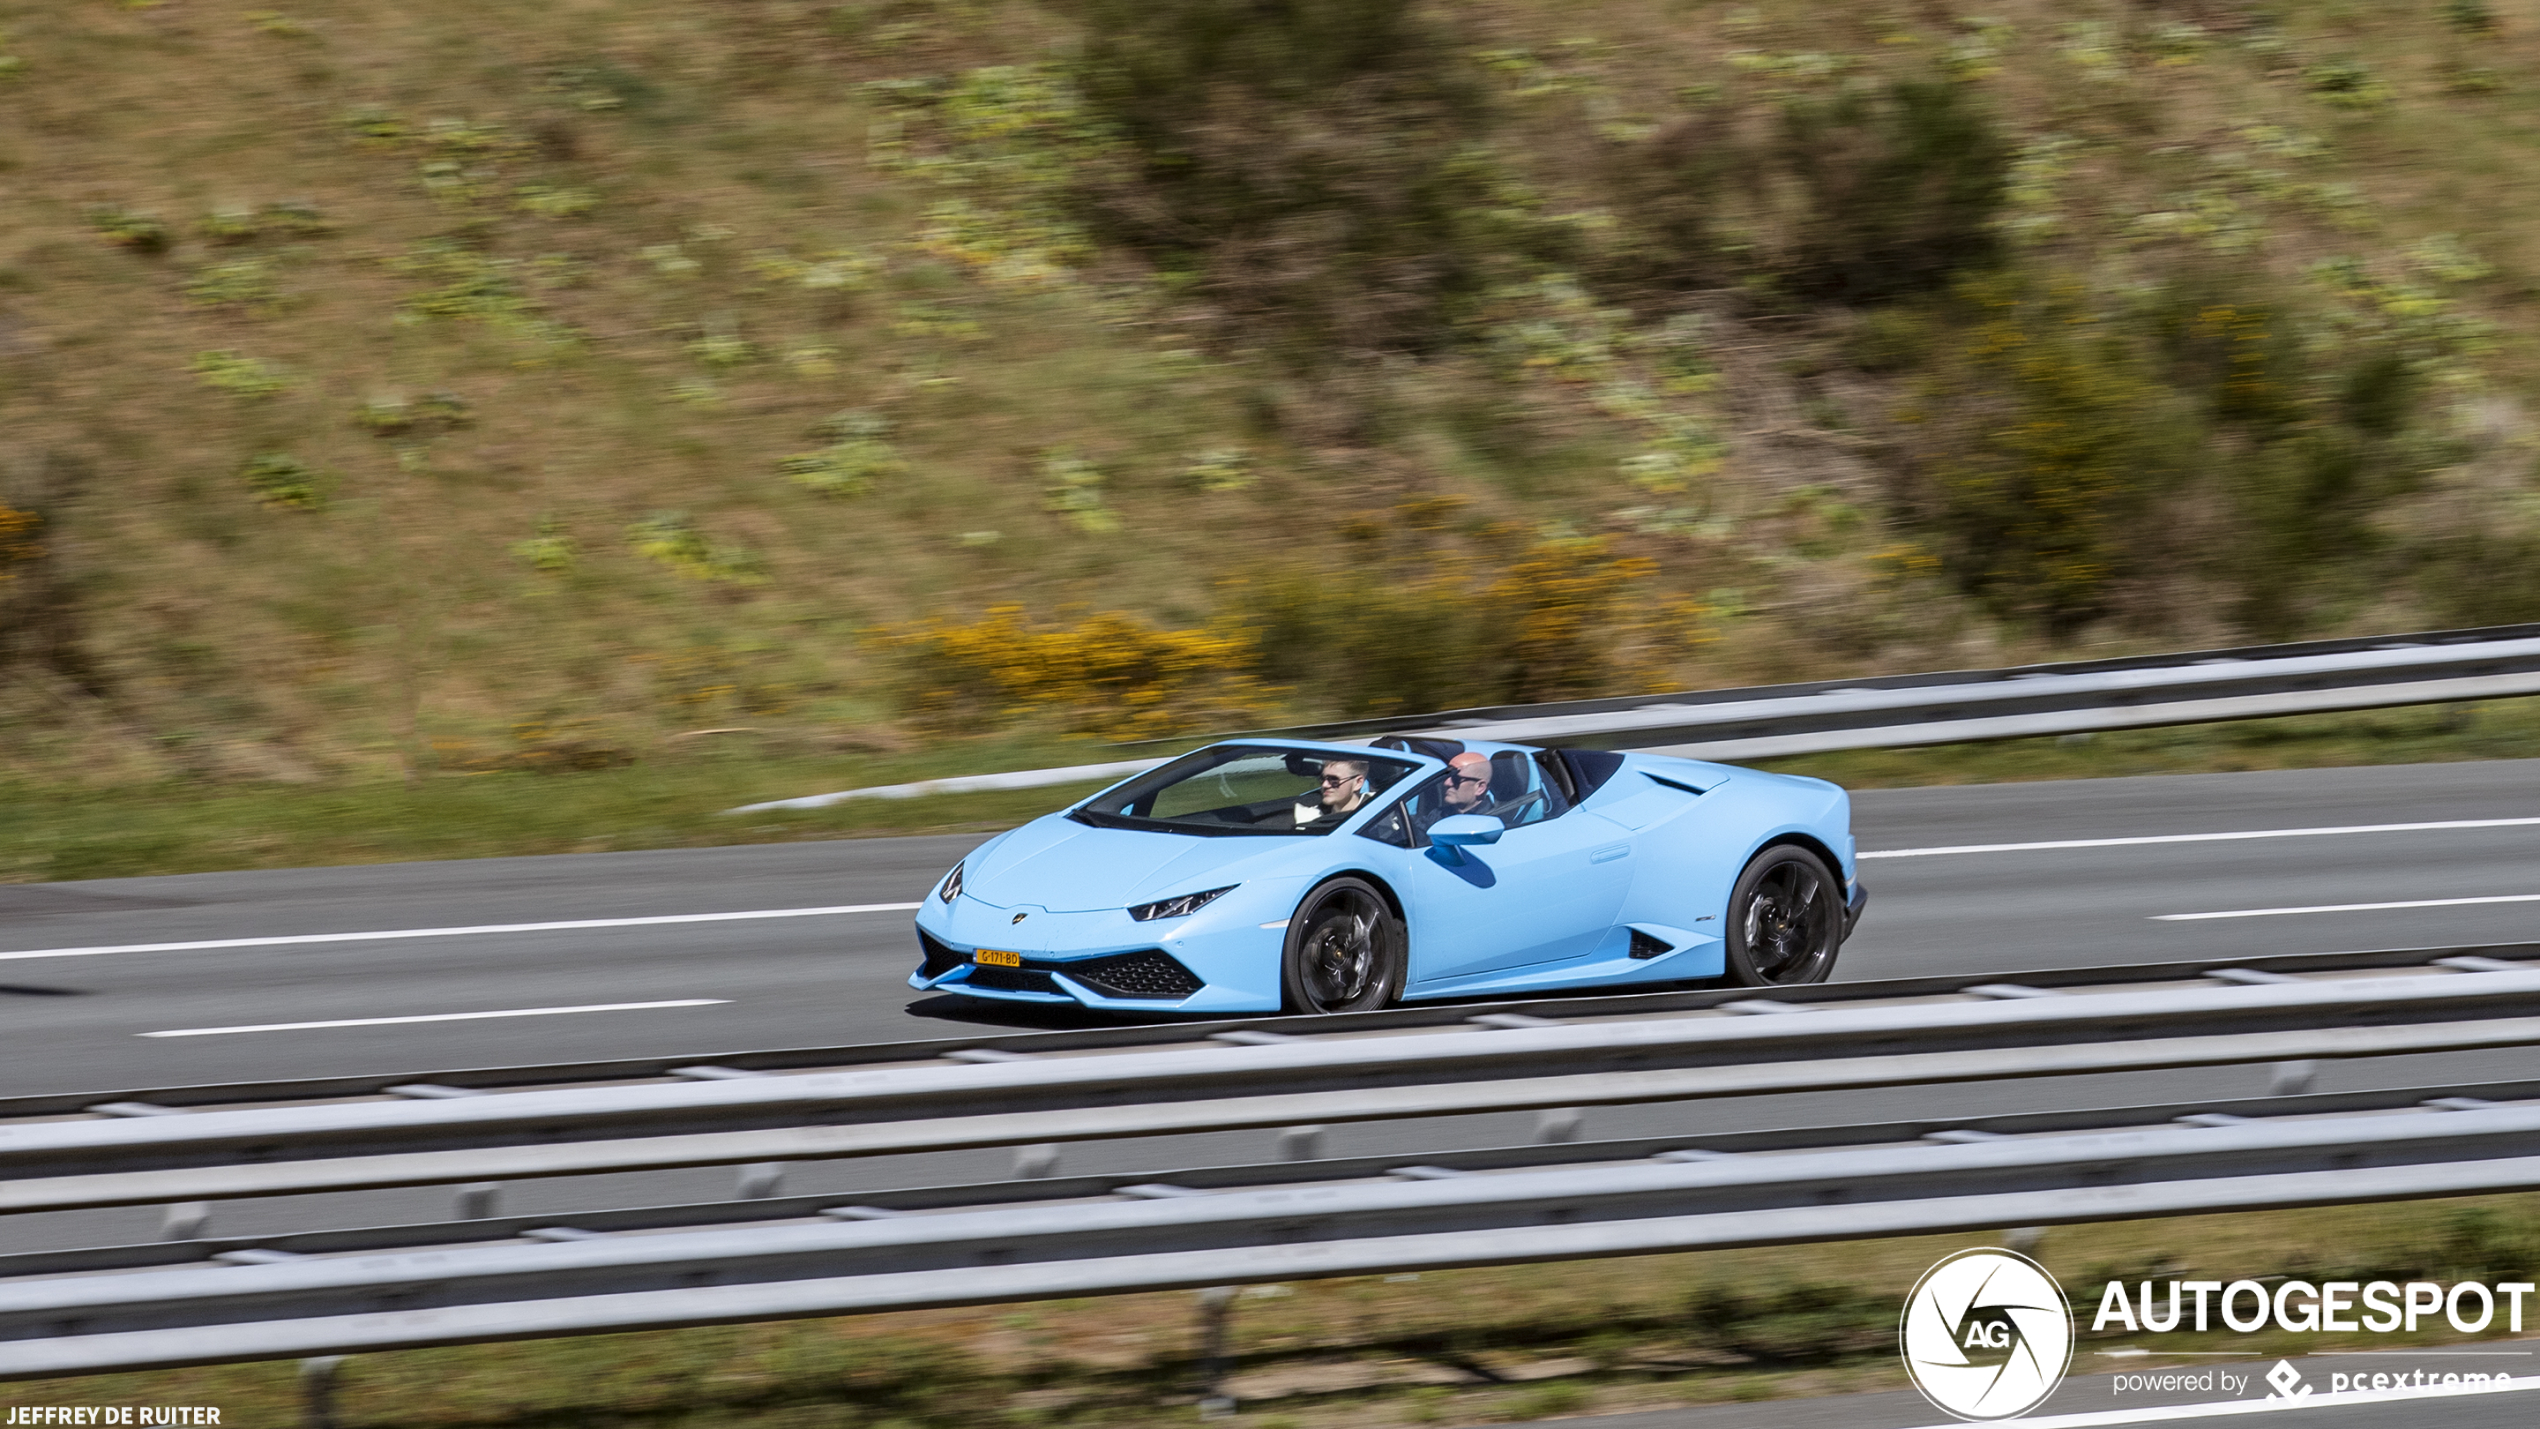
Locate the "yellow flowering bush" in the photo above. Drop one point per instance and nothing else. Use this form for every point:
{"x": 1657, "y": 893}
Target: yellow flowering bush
{"x": 1109, "y": 674}
{"x": 17, "y": 539}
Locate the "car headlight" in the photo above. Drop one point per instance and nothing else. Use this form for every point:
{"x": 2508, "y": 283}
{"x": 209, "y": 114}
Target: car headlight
{"x": 952, "y": 885}
{"x": 1181, "y": 907}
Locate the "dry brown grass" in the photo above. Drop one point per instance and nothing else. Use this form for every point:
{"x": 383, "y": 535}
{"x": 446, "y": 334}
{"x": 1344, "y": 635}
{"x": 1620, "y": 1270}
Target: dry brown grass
{"x": 233, "y": 639}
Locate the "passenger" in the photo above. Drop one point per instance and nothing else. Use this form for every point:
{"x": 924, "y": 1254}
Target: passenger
{"x": 1344, "y": 792}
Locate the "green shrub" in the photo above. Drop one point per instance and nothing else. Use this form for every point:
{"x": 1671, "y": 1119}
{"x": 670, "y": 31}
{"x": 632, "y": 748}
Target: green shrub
{"x": 1670, "y": 189}
{"x": 2083, "y": 449}
{"x": 672, "y": 539}
{"x": 1072, "y": 487}
{"x": 127, "y": 228}
{"x": 2344, "y": 82}
{"x": 551, "y": 551}
{"x": 464, "y": 285}
{"x": 2470, "y": 17}
{"x": 1901, "y": 186}
{"x": 297, "y": 217}
{"x": 857, "y": 457}
{"x": 280, "y": 479}
{"x": 240, "y": 282}
{"x": 546, "y": 201}
{"x": 1311, "y": 164}
{"x": 242, "y": 377}
{"x": 230, "y": 225}
{"x": 1371, "y": 635}
{"x": 392, "y": 414}
{"x": 2058, "y": 438}
{"x": 1221, "y": 469}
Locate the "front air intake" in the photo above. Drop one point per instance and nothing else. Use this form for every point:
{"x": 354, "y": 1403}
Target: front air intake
{"x": 1147, "y": 973}
{"x": 939, "y": 959}
{"x": 1011, "y": 980}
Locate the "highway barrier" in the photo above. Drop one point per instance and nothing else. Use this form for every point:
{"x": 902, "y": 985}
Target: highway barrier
{"x": 332, "y": 1292}
{"x": 2075, "y": 697}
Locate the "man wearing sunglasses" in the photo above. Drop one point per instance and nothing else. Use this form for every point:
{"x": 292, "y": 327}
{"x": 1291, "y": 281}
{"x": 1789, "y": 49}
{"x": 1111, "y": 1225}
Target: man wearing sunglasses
{"x": 1464, "y": 790}
{"x": 1343, "y": 793}
{"x": 1467, "y": 785}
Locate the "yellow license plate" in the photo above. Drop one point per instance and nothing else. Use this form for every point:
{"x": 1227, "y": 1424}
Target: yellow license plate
{"x": 996, "y": 959}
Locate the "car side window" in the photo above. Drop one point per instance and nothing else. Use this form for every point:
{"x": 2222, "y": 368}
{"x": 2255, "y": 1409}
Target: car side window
{"x": 1420, "y": 808}
{"x": 1391, "y": 827}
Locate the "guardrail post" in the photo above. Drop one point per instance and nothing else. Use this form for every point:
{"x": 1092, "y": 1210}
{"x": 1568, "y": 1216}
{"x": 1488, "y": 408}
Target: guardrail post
{"x": 2291, "y": 1079}
{"x": 317, "y": 1390}
{"x": 185, "y": 1220}
{"x": 480, "y": 1200}
{"x": 1563, "y": 1123}
{"x": 1035, "y": 1163}
{"x": 1302, "y": 1143}
{"x": 1216, "y": 1306}
{"x": 762, "y": 1182}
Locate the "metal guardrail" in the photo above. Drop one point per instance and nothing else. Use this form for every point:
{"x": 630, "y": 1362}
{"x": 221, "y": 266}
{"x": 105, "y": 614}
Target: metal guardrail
{"x": 1248, "y": 1264}
{"x": 876, "y": 1205}
{"x": 334, "y": 1292}
{"x": 1097, "y": 1034}
{"x": 1173, "y": 1218}
{"x": 218, "y": 1155}
{"x": 2194, "y": 687}
{"x": 1171, "y": 1236}
{"x": 1233, "y": 1087}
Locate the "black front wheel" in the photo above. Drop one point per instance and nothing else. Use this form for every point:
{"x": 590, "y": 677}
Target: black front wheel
{"x": 1785, "y": 920}
{"x": 1345, "y": 950}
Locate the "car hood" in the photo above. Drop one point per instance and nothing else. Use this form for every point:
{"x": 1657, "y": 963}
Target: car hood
{"x": 1057, "y": 864}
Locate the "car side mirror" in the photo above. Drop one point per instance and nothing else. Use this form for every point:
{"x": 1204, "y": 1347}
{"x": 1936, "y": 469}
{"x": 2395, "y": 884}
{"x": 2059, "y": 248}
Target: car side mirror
{"x": 1449, "y": 837}
{"x": 1461, "y": 830}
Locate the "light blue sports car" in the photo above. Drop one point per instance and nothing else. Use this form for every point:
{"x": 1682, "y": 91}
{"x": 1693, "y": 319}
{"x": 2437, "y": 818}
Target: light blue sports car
{"x": 1266, "y": 874}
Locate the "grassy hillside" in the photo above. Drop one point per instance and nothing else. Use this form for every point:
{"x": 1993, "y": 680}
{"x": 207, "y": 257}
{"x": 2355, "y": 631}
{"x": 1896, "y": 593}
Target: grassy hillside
{"x": 442, "y": 387}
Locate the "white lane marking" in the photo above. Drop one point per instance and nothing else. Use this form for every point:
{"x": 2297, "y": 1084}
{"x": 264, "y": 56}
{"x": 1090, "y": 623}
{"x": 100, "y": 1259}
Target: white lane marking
{"x": 2230, "y": 1408}
{"x": 2204, "y": 838}
{"x": 304, "y": 938}
{"x": 2346, "y": 908}
{"x": 435, "y": 1017}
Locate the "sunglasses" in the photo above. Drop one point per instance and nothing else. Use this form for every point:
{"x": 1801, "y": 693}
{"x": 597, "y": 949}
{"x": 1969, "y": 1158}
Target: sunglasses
{"x": 1468, "y": 778}
{"x": 1331, "y": 781}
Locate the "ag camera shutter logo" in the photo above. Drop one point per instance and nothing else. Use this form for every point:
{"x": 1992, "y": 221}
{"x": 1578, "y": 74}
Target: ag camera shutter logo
{"x": 1986, "y": 1335}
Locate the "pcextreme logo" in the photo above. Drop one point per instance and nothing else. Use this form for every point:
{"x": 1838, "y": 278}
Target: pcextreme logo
{"x": 1986, "y": 1335}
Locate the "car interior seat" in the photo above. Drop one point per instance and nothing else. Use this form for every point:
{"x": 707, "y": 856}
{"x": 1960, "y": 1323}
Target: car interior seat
{"x": 1514, "y": 798}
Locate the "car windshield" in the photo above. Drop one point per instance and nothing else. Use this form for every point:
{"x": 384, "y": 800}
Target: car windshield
{"x": 1249, "y": 789}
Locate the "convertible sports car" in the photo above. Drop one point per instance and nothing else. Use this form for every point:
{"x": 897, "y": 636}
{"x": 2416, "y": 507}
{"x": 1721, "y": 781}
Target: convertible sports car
{"x": 1257, "y": 875}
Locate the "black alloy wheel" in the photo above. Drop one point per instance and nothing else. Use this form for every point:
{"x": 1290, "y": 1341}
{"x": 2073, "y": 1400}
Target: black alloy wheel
{"x": 1785, "y": 920}
{"x": 1344, "y": 950}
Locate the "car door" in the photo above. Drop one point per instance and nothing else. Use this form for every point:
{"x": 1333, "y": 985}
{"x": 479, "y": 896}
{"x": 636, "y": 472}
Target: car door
{"x": 1548, "y": 891}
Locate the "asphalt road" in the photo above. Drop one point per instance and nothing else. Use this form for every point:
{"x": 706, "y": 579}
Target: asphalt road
{"x": 79, "y": 1019}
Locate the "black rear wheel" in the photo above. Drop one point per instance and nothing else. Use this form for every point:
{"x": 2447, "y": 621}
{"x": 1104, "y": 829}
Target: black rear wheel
{"x": 1785, "y": 920}
{"x": 1345, "y": 950}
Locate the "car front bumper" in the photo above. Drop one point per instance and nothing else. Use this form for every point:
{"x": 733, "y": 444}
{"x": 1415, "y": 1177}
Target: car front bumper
{"x": 1102, "y": 960}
